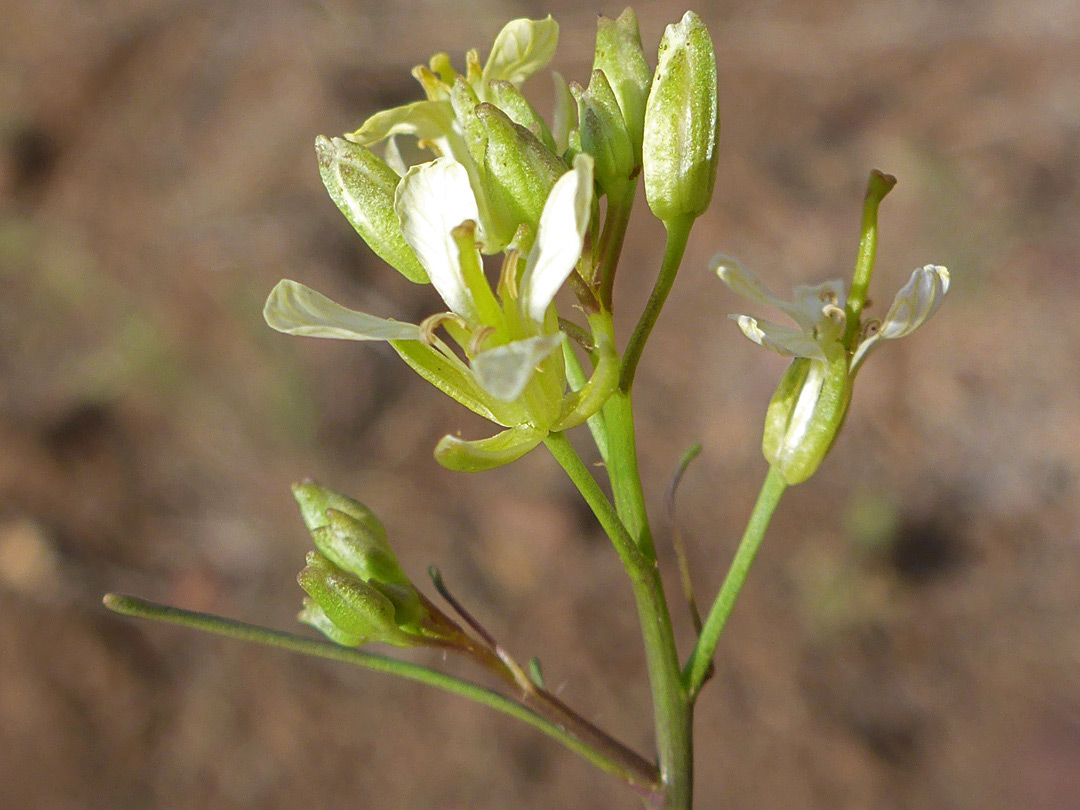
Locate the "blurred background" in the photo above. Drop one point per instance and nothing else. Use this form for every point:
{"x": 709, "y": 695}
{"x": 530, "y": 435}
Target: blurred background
{"x": 910, "y": 637}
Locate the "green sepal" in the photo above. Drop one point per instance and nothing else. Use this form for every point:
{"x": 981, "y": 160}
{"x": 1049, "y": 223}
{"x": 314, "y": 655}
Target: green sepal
{"x": 349, "y": 545}
{"x": 590, "y": 398}
{"x": 519, "y": 171}
{"x": 508, "y": 98}
{"x": 604, "y": 136}
{"x": 563, "y": 117}
{"x": 485, "y": 454}
{"x": 619, "y": 54}
{"x": 806, "y": 414}
{"x": 314, "y": 616}
{"x": 464, "y": 100}
{"x": 454, "y": 379}
{"x": 354, "y": 607}
{"x": 314, "y": 499}
{"x": 362, "y": 185}
{"x": 682, "y": 123}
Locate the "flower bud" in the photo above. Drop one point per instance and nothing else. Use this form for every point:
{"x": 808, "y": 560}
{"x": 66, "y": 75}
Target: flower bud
{"x": 354, "y": 607}
{"x": 519, "y": 169}
{"x": 604, "y": 136}
{"x": 512, "y": 101}
{"x": 620, "y": 56}
{"x": 681, "y": 123}
{"x": 805, "y": 414}
{"x": 362, "y": 185}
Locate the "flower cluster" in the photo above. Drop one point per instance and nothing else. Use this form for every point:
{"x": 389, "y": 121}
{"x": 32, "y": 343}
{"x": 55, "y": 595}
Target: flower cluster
{"x": 501, "y": 180}
{"x": 810, "y": 403}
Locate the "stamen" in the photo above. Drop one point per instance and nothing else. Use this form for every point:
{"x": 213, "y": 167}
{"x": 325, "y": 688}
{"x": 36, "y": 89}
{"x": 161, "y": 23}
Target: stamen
{"x": 834, "y": 313}
{"x": 828, "y": 297}
{"x": 508, "y": 274}
{"x": 478, "y": 339}
{"x": 433, "y": 322}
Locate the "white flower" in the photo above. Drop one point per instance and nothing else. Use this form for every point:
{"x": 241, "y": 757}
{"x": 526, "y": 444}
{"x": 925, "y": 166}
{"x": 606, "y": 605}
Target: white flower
{"x": 819, "y": 312}
{"x": 435, "y": 205}
{"x": 811, "y": 401}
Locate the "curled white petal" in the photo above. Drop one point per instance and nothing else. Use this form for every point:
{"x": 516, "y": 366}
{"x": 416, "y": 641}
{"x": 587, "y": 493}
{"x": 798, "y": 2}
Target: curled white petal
{"x": 505, "y": 370}
{"x": 427, "y": 120}
{"x": 433, "y": 199}
{"x": 781, "y": 339}
{"x": 559, "y": 238}
{"x": 912, "y": 306}
{"x": 916, "y": 301}
{"x": 298, "y": 310}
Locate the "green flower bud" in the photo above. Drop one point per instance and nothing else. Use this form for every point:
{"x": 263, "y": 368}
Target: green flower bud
{"x": 464, "y": 100}
{"x": 620, "y": 56}
{"x": 314, "y": 616}
{"x": 362, "y": 185}
{"x": 604, "y": 136}
{"x": 512, "y": 101}
{"x": 314, "y": 500}
{"x": 355, "y": 608}
{"x": 519, "y": 171}
{"x": 350, "y": 545}
{"x": 805, "y": 414}
{"x": 681, "y": 123}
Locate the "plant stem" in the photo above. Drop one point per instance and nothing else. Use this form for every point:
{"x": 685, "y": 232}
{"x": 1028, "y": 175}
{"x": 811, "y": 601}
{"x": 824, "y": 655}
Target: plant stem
{"x": 671, "y": 704}
{"x": 564, "y": 453}
{"x": 611, "y": 242}
{"x": 617, "y": 760}
{"x": 678, "y": 231}
{"x": 877, "y": 187}
{"x": 701, "y": 658}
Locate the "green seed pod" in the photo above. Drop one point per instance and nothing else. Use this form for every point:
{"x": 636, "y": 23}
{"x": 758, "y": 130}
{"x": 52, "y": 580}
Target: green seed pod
{"x": 362, "y": 185}
{"x": 682, "y": 123}
{"x": 604, "y": 135}
{"x": 620, "y": 56}
{"x": 805, "y": 414}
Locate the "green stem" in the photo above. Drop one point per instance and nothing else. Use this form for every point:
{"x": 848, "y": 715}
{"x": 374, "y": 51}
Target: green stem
{"x": 678, "y": 231}
{"x": 576, "y": 377}
{"x": 611, "y": 242}
{"x": 697, "y": 668}
{"x": 671, "y": 704}
{"x": 634, "y": 770}
{"x": 877, "y": 187}
{"x": 564, "y": 453}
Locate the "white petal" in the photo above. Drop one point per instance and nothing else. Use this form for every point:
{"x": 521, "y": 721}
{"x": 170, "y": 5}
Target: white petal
{"x": 741, "y": 280}
{"x": 780, "y": 339}
{"x": 505, "y": 370}
{"x": 559, "y": 237}
{"x": 298, "y": 310}
{"x": 427, "y": 120}
{"x": 521, "y": 49}
{"x": 916, "y": 301}
{"x": 807, "y": 301}
{"x": 433, "y": 199}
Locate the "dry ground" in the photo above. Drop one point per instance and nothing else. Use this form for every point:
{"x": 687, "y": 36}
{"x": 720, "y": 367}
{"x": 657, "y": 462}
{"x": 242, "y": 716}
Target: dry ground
{"x": 911, "y": 636}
